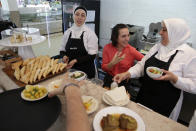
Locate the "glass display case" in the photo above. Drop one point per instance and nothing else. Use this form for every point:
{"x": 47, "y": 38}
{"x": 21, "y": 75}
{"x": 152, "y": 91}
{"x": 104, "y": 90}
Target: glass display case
{"x": 44, "y": 15}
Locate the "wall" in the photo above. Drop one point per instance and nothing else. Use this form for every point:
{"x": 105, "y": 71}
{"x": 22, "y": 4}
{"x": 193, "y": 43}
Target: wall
{"x": 144, "y": 12}
{"x": 9, "y": 5}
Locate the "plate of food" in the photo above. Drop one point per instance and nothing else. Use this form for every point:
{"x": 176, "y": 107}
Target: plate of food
{"x": 78, "y": 75}
{"x": 34, "y": 70}
{"x": 54, "y": 85}
{"x": 118, "y": 119}
{"x": 22, "y": 40}
{"x": 90, "y": 104}
{"x": 34, "y": 92}
{"x": 154, "y": 72}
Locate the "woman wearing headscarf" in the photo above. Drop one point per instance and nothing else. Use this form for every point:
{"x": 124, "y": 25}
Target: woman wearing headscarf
{"x": 80, "y": 44}
{"x": 177, "y": 61}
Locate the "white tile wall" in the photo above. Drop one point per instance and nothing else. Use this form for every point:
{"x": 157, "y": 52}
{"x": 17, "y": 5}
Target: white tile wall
{"x": 143, "y": 12}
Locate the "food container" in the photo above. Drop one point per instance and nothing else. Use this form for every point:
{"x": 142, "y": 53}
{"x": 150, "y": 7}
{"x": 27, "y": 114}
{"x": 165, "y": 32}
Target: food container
{"x": 154, "y": 72}
{"x": 18, "y": 37}
{"x": 7, "y": 57}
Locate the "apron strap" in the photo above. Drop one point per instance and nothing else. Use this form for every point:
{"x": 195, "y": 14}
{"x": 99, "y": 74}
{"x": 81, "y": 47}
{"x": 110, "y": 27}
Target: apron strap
{"x": 172, "y": 57}
{"x": 70, "y": 34}
{"x": 154, "y": 54}
{"x": 81, "y": 37}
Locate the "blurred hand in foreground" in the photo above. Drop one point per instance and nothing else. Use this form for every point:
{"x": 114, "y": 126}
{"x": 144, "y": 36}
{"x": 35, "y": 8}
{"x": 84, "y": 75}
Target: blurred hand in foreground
{"x": 66, "y": 80}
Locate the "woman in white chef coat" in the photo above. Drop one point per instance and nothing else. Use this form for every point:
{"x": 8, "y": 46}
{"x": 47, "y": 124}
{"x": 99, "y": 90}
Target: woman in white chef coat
{"x": 177, "y": 60}
{"x": 80, "y": 44}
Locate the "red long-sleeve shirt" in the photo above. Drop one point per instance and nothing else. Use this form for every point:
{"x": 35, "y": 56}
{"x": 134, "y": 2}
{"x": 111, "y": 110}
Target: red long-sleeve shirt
{"x": 130, "y": 52}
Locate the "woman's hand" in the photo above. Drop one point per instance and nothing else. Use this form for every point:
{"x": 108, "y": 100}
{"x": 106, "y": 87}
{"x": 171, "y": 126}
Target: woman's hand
{"x": 122, "y": 76}
{"x": 168, "y": 76}
{"x": 116, "y": 59}
{"x": 65, "y": 59}
{"x": 71, "y": 64}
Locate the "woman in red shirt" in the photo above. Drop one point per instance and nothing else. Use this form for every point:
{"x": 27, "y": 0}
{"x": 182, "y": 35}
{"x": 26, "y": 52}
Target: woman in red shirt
{"x": 118, "y": 56}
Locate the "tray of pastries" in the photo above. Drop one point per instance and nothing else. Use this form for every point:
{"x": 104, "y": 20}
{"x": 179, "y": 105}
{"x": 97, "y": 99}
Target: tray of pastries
{"x": 34, "y": 70}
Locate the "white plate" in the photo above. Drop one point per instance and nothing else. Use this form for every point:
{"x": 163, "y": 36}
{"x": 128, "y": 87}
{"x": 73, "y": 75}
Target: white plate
{"x": 115, "y": 104}
{"x": 152, "y": 75}
{"x": 51, "y": 85}
{"x": 117, "y": 110}
{"x": 80, "y": 78}
{"x": 94, "y": 103}
{"x": 27, "y": 99}
{"x": 36, "y": 39}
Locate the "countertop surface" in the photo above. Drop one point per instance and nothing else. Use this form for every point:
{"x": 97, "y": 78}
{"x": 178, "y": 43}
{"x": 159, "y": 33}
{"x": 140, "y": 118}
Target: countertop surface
{"x": 152, "y": 120}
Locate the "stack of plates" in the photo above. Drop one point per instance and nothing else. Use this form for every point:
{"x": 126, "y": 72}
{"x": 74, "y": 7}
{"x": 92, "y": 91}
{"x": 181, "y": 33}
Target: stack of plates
{"x": 116, "y": 97}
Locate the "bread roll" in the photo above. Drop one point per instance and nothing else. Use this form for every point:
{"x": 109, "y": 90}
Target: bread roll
{"x": 16, "y": 65}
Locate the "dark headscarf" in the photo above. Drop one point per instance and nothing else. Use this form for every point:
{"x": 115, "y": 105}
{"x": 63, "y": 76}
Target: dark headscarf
{"x": 81, "y": 7}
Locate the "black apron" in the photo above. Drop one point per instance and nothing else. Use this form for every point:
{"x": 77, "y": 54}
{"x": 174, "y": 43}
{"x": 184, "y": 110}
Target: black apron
{"x": 75, "y": 49}
{"x": 159, "y": 95}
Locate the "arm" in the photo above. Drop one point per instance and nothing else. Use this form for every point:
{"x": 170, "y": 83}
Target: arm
{"x": 77, "y": 118}
{"x": 137, "y": 70}
{"x": 187, "y": 82}
{"x": 78, "y": 61}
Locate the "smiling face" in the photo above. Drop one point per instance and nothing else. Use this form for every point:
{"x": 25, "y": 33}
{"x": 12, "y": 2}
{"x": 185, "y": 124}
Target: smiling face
{"x": 164, "y": 35}
{"x": 79, "y": 17}
{"x": 123, "y": 38}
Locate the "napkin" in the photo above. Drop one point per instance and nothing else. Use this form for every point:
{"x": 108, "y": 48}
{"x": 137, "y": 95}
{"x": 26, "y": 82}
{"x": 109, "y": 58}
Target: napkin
{"x": 117, "y": 96}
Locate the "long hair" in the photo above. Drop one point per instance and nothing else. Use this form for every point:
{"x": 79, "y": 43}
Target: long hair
{"x": 115, "y": 33}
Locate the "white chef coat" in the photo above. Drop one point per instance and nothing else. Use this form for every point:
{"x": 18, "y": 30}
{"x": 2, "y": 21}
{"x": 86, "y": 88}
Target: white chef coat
{"x": 90, "y": 39}
{"x": 183, "y": 66}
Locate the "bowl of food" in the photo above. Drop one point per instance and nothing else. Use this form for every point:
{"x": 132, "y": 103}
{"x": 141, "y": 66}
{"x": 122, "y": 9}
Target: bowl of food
{"x": 77, "y": 75}
{"x": 34, "y": 92}
{"x": 154, "y": 72}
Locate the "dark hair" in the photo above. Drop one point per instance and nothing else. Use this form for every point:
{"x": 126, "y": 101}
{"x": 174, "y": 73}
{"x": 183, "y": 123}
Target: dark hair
{"x": 115, "y": 33}
{"x": 80, "y": 7}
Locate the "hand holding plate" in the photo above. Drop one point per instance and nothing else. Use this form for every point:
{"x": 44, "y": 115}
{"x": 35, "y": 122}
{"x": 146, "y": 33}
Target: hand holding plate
{"x": 168, "y": 76}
